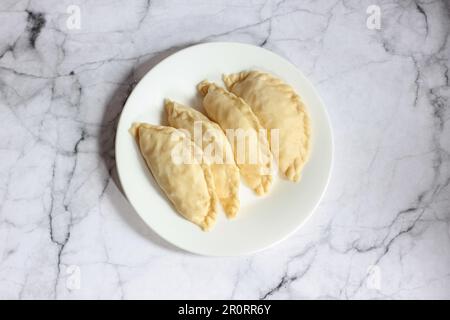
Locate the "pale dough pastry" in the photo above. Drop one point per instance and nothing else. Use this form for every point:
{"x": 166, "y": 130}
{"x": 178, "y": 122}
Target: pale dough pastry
{"x": 210, "y": 137}
{"x": 231, "y": 112}
{"x": 277, "y": 106}
{"x": 190, "y": 187}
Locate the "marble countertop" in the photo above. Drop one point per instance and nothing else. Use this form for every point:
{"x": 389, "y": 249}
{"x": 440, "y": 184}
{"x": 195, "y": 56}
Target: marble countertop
{"x": 383, "y": 228}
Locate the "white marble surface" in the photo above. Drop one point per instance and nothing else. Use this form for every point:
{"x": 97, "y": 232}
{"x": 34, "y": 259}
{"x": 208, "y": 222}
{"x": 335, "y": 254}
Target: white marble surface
{"x": 383, "y": 229}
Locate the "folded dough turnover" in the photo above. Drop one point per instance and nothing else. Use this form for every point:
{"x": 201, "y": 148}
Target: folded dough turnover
{"x": 190, "y": 187}
{"x": 277, "y": 106}
{"x": 252, "y": 154}
{"x": 210, "y": 137}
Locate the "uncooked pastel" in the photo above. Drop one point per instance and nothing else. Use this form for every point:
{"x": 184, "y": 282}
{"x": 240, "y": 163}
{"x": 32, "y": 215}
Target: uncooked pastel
{"x": 216, "y": 149}
{"x": 235, "y": 116}
{"x": 189, "y": 186}
{"x": 277, "y": 106}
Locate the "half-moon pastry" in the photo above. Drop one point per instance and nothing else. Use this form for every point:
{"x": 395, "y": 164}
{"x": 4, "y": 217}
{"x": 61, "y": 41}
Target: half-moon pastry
{"x": 216, "y": 150}
{"x": 277, "y": 106}
{"x": 244, "y": 132}
{"x": 188, "y": 185}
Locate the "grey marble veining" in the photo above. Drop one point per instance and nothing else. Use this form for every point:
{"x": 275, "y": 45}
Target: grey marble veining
{"x": 383, "y": 228}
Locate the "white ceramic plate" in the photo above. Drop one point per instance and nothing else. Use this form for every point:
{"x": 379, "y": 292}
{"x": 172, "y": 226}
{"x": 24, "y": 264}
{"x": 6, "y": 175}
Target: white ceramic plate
{"x": 261, "y": 221}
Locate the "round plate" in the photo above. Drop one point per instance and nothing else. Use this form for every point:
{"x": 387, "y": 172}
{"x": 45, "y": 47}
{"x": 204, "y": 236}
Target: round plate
{"x": 261, "y": 221}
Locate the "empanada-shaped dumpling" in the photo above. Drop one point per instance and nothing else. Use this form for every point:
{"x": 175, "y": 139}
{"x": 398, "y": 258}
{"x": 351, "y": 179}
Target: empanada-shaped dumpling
{"x": 245, "y": 134}
{"x": 188, "y": 185}
{"x": 216, "y": 148}
{"x": 277, "y": 106}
